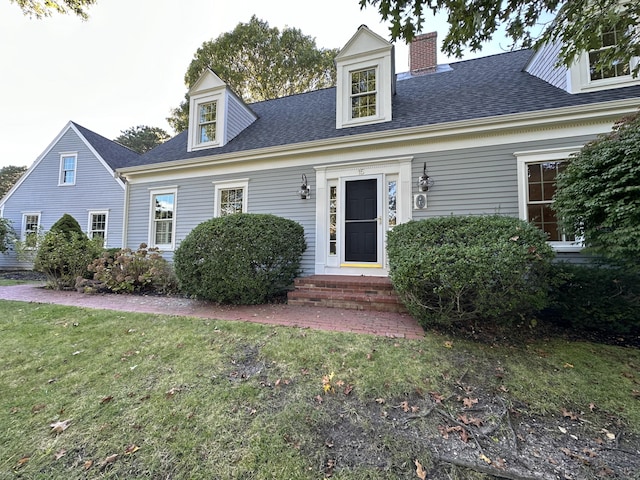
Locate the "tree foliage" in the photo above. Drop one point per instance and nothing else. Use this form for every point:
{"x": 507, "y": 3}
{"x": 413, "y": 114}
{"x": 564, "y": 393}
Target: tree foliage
{"x": 142, "y": 138}
{"x": 577, "y": 24}
{"x": 598, "y": 194}
{"x": 40, "y": 9}
{"x": 260, "y": 63}
{"x": 9, "y": 175}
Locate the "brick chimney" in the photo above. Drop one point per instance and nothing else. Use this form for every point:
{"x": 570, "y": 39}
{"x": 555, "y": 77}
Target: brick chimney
{"x": 423, "y": 54}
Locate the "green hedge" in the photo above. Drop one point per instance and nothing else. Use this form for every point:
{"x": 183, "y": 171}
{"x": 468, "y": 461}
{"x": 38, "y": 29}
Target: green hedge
{"x": 240, "y": 259}
{"x": 469, "y": 268}
{"x": 596, "y": 298}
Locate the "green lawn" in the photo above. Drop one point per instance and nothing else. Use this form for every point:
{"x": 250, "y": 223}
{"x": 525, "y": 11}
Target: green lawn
{"x": 149, "y": 396}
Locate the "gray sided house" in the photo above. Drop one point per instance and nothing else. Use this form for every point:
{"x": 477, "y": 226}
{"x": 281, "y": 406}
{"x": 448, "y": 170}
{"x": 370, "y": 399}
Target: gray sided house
{"x": 74, "y": 175}
{"x": 484, "y": 136}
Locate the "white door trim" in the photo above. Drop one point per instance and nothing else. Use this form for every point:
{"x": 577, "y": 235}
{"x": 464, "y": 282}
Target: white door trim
{"x": 335, "y": 175}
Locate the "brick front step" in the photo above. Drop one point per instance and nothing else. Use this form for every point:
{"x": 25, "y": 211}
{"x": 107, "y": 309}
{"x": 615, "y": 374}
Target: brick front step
{"x": 357, "y": 293}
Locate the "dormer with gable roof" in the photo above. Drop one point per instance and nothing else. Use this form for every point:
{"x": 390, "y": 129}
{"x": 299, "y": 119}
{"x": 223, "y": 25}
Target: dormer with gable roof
{"x": 365, "y": 80}
{"x": 216, "y": 114}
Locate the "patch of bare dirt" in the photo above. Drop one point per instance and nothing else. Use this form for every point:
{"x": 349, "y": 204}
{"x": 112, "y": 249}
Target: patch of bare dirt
{"x": 477, "y": 431}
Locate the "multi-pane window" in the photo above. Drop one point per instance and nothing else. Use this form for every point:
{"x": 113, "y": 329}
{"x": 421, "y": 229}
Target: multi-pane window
{"x": 98, "y": 225}
{"x": 207, "y": 120}
{"x": 609, "y": 39}
{"x": 333, "y": 219}
{"x": 363, "y": 93}
{"x": 231, "y": 201}
{"x": 31, "y": 225}
{"x": 68, "y": 169}
{"x": 163, "y": 215}
{"x": 541, "y": 186}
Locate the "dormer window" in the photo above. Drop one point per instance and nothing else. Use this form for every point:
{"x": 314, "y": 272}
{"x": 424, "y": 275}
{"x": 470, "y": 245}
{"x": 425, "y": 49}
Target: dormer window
{"x": 365, "y": 81}
{"x": 207, "y": 122}
{"x": 216, "y": 114}
{"x": 363, "y": 93}
{"x": 608, "y": 39}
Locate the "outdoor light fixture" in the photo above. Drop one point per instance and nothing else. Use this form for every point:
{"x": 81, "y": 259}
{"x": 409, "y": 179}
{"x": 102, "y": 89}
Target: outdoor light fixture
{"x": 305, "y": 191}
{"x": 425, "y": 181}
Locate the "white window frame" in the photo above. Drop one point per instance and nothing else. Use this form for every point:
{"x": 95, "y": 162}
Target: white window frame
{"x": 196, "y": 102}
{"x": 90, "y": 231}
{"x": 23, "y": 229}
{"x": 241, "y": 183}
{"x": 154, "y": 192}
{"x": 61, "y": 175}
{"x": 580, "y": 76}
{"x": 344, "y": 117}
{"x": 373, "y": 92}
{"x": 541, "y": 156}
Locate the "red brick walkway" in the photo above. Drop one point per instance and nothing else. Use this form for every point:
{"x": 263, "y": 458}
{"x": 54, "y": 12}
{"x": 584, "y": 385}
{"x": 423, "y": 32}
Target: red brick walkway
{"x": 396, "y": 325}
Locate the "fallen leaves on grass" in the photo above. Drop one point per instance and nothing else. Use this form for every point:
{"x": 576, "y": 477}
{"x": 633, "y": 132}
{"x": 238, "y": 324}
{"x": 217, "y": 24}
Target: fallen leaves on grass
{"x": 469, "y": 402}
{"x": 568, "y": 414}
{"x": 172, "y": 391}
{"x": 61, "y": 453}
{"x": 22, "y": 462}
{"x": 437, "y": 397}
{"x": 420, "y": 471}
{"x": 60, "y": 426}
{"x": 108, "y": 461}
{"x": 131, "y": 449}
{"x": 106, "y": 399}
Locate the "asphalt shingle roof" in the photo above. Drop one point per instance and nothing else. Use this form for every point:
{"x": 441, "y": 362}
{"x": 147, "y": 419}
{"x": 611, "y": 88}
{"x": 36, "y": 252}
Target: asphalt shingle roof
{"x": 472, "y": 89}
{"x": 116, "y": 155}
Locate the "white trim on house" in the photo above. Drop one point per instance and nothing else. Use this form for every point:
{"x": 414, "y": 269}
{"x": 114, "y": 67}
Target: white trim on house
{"x": 23, "y": 231}
{"x": 153, "y": 192}
{"x": 219, "y": 186}
{"x": 579, "y": 78}
{"x": 335, "y": 175}
{"x": 90, "y": 215}
{"x": 537, "y": 156}
{"x": 538, "y": 125}
{"x": 63, "y": 170}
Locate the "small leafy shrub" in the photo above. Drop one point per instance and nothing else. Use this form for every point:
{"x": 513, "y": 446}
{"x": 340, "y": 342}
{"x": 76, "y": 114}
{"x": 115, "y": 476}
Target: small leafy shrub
{"x": 65, "y": 252}
{"x": 127, "y": 271}
{"x": 7, "y": 235}
{"x": 596, "y": 298}
{"x": 240, "y": 259}
{"x": 469, "y": 268}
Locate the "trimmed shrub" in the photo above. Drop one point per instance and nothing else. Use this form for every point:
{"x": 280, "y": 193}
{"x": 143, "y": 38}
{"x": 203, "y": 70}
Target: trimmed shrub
{"x": 65, "y": 253}
{"x": 240, "y": 259}
{"x": 469, "y": 268}
{"x": 126, "y": 271}
{"x": 596, "y": 298}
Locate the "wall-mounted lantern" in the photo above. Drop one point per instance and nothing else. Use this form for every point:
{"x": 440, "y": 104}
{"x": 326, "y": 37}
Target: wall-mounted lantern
{"x": 305, "y": 191}
{"x": 425, "y": 181}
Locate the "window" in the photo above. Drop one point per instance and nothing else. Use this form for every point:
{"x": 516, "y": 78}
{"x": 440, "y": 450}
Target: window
{"x": 609, "y": 39}
{"x": 163, "y": 209}
{"x": 98, "y": 225}
{"x": 231, "y": 197}
{"x": 207, "y": 121}
{"x": 537, "y": 173}
{"x": 333, "y": 220}
{"x": 30, "y": 228}
{"x": 541, "y": 186}
{"x": 68, "y": 169}
{"x": 392, "y": 202}
{"x": 363, "y": 93}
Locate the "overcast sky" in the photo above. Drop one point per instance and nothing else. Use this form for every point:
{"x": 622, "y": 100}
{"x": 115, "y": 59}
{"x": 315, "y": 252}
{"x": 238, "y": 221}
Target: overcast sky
{"x": 125, "y": 66}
